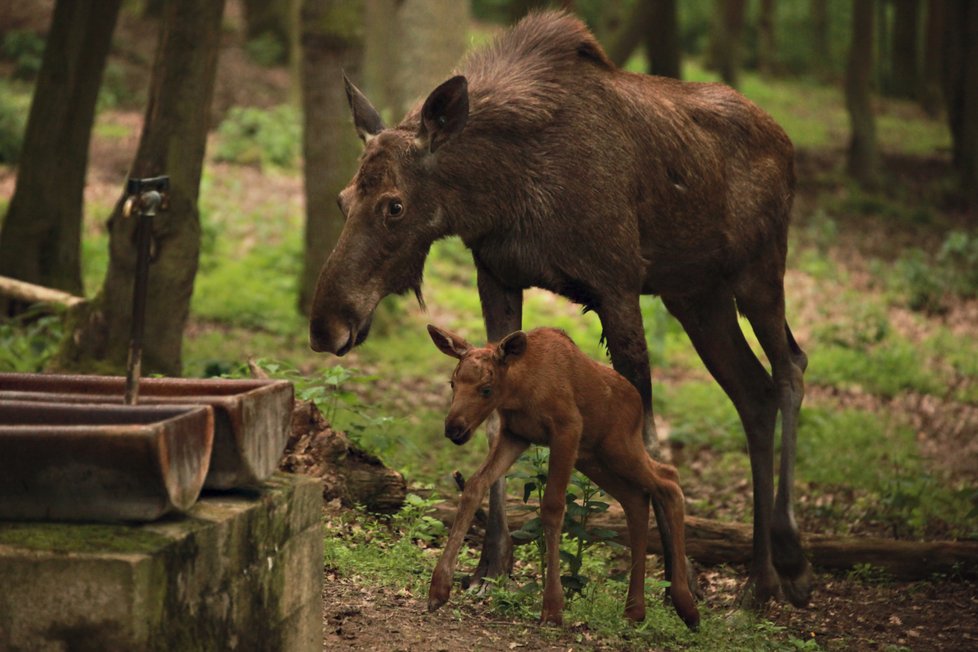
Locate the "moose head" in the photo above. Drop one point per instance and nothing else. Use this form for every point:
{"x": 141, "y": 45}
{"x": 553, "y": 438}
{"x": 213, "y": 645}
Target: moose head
{"x": 394, "y": 211}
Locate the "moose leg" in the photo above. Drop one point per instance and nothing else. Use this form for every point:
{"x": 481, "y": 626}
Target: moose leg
{"x": 502, "y": 312}
{"x": 621, "y": 319}
{"x": 505, "y": 450}
{"x": 710, "y": 320}
{"x": 563, "y": 451}
{"x": 765, "y": 310}
{"x": 635, "y": 502}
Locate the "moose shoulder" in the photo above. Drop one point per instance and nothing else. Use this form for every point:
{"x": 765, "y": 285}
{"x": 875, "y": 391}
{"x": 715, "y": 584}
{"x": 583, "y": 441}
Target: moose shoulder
{"x": 562, "y": 172}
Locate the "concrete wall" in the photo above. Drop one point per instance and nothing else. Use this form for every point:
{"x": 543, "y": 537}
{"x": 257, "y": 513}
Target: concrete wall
{"x": 240, "y": 571}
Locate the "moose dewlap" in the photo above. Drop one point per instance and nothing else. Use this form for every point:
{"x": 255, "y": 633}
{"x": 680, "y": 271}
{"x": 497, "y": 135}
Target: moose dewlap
{"x": 547, "y": 392}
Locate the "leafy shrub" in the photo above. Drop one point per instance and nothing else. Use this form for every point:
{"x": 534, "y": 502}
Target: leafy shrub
{"x": 29, "y": 341}
{"x": 262, "y": 137}
{"x": 928, "y": 281}
{"x": 266, "y": 50}
{"x": 26, "y": 49}
{"x": 13, "y": 120}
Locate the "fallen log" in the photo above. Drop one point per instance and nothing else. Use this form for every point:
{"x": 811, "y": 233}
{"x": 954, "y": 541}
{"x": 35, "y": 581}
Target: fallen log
{"x": 31, "y": 293}
{"x": 710, "y": 542}
{"x": 348, "y": 473}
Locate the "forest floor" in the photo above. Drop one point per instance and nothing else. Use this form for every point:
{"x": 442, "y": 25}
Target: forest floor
{"x": 848, "y": 611}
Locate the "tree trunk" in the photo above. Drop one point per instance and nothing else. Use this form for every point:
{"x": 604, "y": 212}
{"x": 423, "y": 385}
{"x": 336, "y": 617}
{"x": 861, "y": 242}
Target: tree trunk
{"x": 332, "y": 41}
{"x": 636, "y": 26}
{"x": 269, "y": 19}
{"x": 727, "y": 31}
{"x": 820, "y": 37}
{"x": 863, "y": 158}
{"x": 172, "y": 142}
{"x": 961, "y": 91}
{"x": 766, "y": 49}
{"x": 40, "y": 241}
{"x": 710, "y": 542}
{"x": 904, "y": 75}
{"x": 662, "y": 40}
{"x": 930, "y": 83}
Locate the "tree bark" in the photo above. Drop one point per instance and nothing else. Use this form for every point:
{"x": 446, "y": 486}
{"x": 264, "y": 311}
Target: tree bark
{"x": 332, "y": 42}
{"x": 766, "y": 48}
{"x": 930, "y": 82}
{"x": 819, "y": 12}
{"x": 863, "y": 157}
{"x": 172, "y": 142}
{"x": 904, "y": 75}
{"x": 40, "y": 241}
{"x": 30, "y": 293}
{"x": 662, "y": 40}
{"x": 711, "y": 542}
{"x": 635, "y": 27}
{"x": 961, "y": 91}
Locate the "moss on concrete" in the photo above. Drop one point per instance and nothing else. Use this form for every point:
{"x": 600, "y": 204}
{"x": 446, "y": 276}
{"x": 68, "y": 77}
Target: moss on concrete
{"x": 80, "y": 538}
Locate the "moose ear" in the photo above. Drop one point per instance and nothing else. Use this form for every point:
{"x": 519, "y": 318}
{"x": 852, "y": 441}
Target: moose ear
{"x": 365, "y": 116}
{"x": 511, "y": 347}
{"x": 444, "y": 113}
{"x": 449, "y": 343}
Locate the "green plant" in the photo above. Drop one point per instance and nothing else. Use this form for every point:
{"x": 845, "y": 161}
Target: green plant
{"x": 30, "y": 340}
{"x": 262, "y": 137}
{"x": 26, "y": 49}
{"x": 13, "y": 120}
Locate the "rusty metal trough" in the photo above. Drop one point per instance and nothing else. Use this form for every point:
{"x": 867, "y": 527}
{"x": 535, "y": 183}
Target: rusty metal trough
{"x": 101, "y": 462}
{"x": 251, "y": 417}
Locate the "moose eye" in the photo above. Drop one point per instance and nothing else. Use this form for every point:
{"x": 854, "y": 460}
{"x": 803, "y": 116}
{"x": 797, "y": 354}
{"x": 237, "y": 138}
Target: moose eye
{"x": 485, "y": 392}
{"x": 395, "y": 207}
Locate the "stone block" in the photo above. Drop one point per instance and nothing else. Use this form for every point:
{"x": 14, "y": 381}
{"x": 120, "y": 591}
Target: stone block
{"x": 240, "y": 571}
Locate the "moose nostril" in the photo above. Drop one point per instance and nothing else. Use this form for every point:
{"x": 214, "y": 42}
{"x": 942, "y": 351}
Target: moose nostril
{"x": 454, "y": 431}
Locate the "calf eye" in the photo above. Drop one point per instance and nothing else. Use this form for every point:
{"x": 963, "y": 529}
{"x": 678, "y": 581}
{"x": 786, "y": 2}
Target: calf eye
{"x": 486, "y": 392}
{"x": 395, "y": 208}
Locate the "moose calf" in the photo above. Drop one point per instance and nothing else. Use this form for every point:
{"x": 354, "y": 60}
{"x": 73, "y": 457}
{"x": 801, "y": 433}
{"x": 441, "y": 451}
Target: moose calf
{"x": 549, "y": 393}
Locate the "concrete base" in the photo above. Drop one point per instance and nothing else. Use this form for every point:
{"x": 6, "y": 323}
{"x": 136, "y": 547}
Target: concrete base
{"x": 240, "y": 571}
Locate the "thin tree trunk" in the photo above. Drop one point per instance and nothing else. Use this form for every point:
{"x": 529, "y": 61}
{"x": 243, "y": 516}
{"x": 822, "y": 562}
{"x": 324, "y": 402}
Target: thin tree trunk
{"x": 904, "y": 75}
{"x": 863, "y": 158}
{"x": 332, "y": 42}
{"x": 662, "y": 40}
{"x": 961, "y": 91}
{"x": 820, "y": 37}
{"x": 727, "y": 34}
{"x": 173, "y": 142}
{"x": 930, "y": 86}
{"x": 766, "y": 48}
{"x": 41, "y": 237}
{"x": 635, "y": 27}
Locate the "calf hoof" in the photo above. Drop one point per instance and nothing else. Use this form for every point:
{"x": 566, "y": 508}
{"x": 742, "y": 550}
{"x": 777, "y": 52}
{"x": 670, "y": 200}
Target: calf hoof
{"x": 635, "y": 614}
{"x": 548, "y": 617}
{"x": 438, "y": 592}
{"x": 685, "y": 606}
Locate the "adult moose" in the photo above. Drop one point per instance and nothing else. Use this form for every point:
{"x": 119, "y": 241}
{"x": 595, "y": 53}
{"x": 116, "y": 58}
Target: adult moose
{"x": 562, "y": 172}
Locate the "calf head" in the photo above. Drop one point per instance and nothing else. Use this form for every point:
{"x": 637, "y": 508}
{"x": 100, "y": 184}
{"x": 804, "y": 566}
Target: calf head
{"x": 479, "y": 380}
{"x": 393, "y": 209}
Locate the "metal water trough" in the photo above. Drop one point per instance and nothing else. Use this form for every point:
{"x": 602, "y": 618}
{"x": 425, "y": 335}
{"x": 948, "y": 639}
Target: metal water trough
{"x": 252, "y": 418}
{"x": 101, "y": 462}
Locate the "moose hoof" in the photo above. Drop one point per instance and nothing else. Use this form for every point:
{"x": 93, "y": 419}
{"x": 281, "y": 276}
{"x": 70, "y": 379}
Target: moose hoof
{"x": 798, "y": 589}
{"x": 758, "y": 592}
{"x": 438, "y": 592}
{"x": 552, "y": 618}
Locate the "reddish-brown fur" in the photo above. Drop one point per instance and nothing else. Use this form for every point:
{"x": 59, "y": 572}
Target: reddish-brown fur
{"x": 549, "y": 393}
{"x": 560, "y": 171}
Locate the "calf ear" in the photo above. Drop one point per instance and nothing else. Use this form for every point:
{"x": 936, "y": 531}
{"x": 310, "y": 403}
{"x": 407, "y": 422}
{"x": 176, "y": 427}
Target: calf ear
{"x": 511, "y": 347}
{"x": 365, "y": 116}
{"x": 444, "y": 113}
{"x": 448, "y": 343}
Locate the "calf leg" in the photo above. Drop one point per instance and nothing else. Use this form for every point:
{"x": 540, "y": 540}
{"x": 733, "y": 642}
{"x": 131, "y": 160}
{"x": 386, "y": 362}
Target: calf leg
{"x": 504, "y": 452}
{"x": 635, "y": 502}
{"x": 710, "y": 320}
{"x": 563, "y": 451}
{"x": 502, "y": 312}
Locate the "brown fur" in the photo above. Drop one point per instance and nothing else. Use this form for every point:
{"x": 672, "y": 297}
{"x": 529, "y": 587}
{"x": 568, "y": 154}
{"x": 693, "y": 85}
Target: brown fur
{"x": 560, "y": 171}
{"x": 549, "y": 393}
